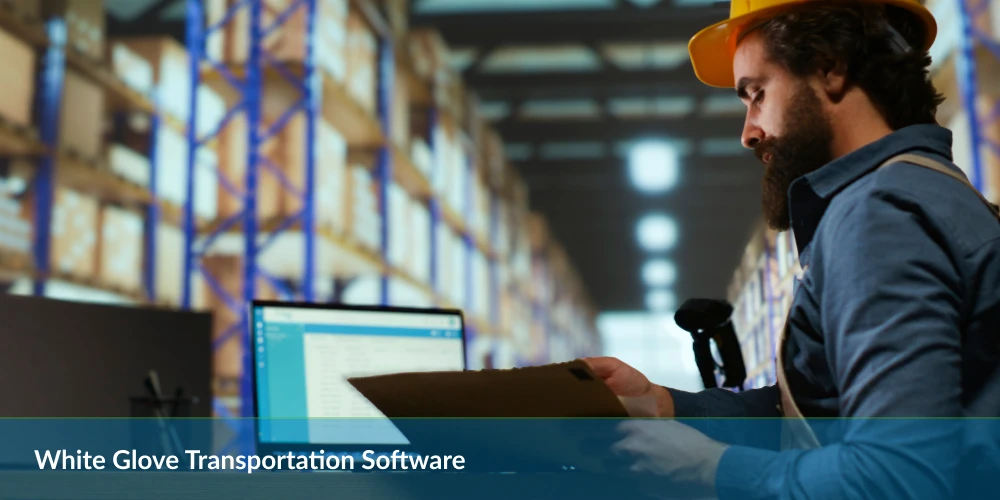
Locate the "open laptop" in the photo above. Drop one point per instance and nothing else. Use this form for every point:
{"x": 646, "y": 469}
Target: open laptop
{"x": 304, "y": 353}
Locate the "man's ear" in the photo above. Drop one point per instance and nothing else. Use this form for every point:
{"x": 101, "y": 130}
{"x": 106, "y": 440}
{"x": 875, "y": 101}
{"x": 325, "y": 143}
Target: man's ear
{"x": 833, "y": 79}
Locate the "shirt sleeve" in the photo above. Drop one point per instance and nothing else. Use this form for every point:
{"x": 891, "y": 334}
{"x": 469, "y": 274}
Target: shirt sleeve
{"x": 890, "y": 299}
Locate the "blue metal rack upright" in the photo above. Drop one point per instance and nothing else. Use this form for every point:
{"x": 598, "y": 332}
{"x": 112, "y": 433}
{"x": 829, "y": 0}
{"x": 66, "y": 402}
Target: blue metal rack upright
{"x": 385, "y": 80}
{"x": 49, "y": 106}
{"x": 258, "y": 70}
{"x": 971, "y": 38}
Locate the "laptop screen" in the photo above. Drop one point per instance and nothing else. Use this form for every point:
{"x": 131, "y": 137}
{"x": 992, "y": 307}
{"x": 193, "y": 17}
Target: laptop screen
{"x": 303, "y": 356}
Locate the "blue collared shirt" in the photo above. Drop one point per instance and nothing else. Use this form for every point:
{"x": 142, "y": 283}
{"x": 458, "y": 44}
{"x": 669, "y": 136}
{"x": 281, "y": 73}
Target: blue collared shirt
{"x": 897, "y": 315}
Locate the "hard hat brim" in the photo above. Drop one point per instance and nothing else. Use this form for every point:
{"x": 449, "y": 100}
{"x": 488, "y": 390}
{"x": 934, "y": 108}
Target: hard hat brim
{"x": 712, "y": 49}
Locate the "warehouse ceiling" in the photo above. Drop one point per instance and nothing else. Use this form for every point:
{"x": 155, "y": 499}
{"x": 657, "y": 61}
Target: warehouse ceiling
{"x": 571, "y": 85}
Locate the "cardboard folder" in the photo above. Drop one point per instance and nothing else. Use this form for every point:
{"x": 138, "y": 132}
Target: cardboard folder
{"x": 507, "y": 417}
{"x": 550, "y": 391}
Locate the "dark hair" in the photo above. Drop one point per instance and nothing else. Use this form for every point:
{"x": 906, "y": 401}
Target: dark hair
{"x": 857, "y": 35}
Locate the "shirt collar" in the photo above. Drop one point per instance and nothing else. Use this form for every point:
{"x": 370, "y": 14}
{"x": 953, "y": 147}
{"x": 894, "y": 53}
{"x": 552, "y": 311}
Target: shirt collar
{"x": 810, "y": 194}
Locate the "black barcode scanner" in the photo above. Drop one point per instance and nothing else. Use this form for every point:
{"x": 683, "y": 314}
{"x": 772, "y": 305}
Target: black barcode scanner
{"x": 708, "y": 320}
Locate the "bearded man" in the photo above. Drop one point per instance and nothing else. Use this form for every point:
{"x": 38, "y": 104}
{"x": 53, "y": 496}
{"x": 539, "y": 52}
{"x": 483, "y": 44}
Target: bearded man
{"x": 897, "y": 313}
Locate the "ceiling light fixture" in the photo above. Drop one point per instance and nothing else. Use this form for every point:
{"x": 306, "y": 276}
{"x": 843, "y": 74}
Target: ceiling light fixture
{"x": 656, "y": 233}
{"x": 660, "y": 300}
{"x": 659, "y": 273}
{"x": 653, "y": 166}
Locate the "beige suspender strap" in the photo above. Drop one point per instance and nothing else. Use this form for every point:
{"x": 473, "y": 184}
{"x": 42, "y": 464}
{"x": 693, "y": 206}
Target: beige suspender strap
{"x": 925, "y": 162}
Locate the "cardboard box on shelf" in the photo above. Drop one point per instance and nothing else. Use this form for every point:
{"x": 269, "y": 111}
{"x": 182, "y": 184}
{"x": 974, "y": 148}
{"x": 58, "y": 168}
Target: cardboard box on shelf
{"x": 362, "y": 51}
{"x": 121, "y": 249}
{"x": 15, "y": 230}
{"x": 422, "y": 158}
{"x": 171, "y": 71}
{"x": 420, "y": 255}
{"x": 131, "y": 68}
{"x": 17, "y": 87}
{"x": 81, "y": 125}
{"x": 400, "y": 236}
{"x": 129, "y": 164}
{"x": 233, "y": 157}
{"x": 75, "y": 230}
{"x": 401, "y": 113}
{"x": 286, "y": 43}
{"x": 459, "y": 286}
{"x": 429, "y": 52}
{"x": 482, "y": 291}
{"x": 365, "y": 223}
{"x": 443, "y": 250}
{"x": 169, "y": 263}
{"x": 332, "y": 187}
{"x": 84, "y": 24}
{"x": 397, "y": 14}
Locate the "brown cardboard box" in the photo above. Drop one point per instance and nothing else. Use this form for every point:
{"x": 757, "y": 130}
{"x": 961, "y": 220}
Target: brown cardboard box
{"x": 130, "y": 67}
{"x": 121, "y": 249}
{"x": 397, "y": 13}
{"x": 84, "y": 24}
{"x": 429, "y": 52}
{"x": 75, "y": 225}
{"x": 285, "y": 43}
{"x": 82, "y": 123}
{"x": 171, "y": 71}
{"x": 362, "y": 50}
{"x": 17, "y": 87}
{"x": 401, "y": 113}
{"x": 233, "y": 158}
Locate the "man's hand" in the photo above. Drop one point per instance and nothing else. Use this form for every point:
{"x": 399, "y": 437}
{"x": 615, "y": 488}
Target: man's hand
{"x": 628, "y": 382}
{"x": 666, "y": 449}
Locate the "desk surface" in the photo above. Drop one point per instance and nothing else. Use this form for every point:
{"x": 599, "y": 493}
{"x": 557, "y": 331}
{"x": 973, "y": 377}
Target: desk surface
{"x": 77, "y": 485}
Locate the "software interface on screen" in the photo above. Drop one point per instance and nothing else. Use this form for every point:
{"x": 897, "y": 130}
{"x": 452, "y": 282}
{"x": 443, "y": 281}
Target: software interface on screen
{"x": 304, "y": 357}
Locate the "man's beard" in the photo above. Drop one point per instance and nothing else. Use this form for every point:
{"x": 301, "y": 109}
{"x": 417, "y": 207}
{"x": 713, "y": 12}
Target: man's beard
{"x": 804, "y": 148}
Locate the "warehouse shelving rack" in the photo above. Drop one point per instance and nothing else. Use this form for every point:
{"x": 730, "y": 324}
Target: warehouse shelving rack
{"x": 55, "y": 166}
{"x": 391, "y": 165}
{"x": 973, "y": 39}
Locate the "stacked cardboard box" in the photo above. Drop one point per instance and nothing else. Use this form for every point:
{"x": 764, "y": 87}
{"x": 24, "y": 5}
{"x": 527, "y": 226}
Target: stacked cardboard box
{"x": 171, "y": 71}
{"x": 84, "y": 24}
{"x": 366, "y": 224}
{"x": 422, "y": 157}
{"x": 131, "y": 68}
{"x": 420, "y": 251}
{"x": 482, "y": 294}
{"x": 17, "y": 87}
{"x": 81, "y": 125}
{"x": 15, "y": 230}
{"x": 75, "y": 223}
{"x": 331, "y": 196}
{"x": 121, "y": 249}
{"x": 287, "y": 42}
{"x": 362, "y": 51}
{"x": 169, "y": 263}
{"x": 400, "y": 229}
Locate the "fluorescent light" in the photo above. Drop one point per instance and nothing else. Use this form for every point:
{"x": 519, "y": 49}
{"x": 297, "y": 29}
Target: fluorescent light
{"x": 659, "y": 272}
{"x": 660, "y": 300}
{"x": 657, "y": 232}
{"x": 653, "y": 166}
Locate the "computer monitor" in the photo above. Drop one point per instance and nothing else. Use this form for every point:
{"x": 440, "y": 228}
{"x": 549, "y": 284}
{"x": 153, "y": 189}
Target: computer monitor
{"x": 304, "y": 353}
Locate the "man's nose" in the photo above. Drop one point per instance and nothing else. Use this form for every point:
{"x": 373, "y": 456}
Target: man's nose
{"x": 752, "y": 135}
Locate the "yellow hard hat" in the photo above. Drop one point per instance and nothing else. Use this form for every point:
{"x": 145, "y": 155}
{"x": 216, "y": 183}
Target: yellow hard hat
{"x": 712, "y": 49}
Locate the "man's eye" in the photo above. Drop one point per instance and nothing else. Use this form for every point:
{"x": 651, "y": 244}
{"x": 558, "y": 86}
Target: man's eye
{"x": 758, "y": 96}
